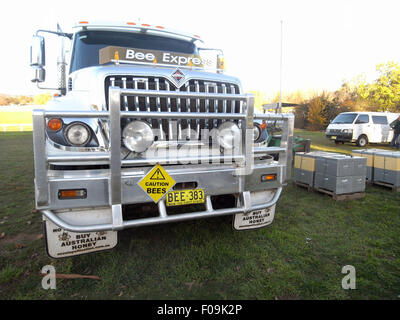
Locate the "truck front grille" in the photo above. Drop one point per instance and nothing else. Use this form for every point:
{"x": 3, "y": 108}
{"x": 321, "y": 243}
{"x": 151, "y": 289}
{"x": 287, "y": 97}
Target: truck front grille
{"x": 180, "y": 129}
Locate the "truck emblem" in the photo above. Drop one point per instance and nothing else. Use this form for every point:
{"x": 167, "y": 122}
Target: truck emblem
{"x": 178, "y": 76}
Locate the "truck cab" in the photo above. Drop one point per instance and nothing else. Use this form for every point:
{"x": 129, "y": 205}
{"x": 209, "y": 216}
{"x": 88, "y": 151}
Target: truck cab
{"x": 147, "y": 117}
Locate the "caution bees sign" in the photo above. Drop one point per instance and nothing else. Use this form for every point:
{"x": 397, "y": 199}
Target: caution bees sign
{"x": 156, "y": 183}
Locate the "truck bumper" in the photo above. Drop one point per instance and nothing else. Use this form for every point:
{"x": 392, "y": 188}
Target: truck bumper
{"x": 252, "y": 194}
{"x": 343, "y": 137}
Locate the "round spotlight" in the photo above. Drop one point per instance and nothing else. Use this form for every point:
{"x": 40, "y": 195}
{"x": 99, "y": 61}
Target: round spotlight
{"x": 256, "y": 132}
{"x": 137, "y": 136}
{"x": 228, "y": 135}
{"x": 77, "y": 134}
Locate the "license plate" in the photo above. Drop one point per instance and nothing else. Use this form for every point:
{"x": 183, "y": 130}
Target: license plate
{"x": 333, "y": 137}
{"x": 181, "y": 197}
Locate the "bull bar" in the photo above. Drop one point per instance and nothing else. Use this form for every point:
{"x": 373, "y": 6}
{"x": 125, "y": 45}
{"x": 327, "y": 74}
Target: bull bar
{"x": 113, "y": 156}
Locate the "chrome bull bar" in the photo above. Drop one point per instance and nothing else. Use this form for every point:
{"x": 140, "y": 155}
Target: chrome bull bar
{"x": 114, "y": 115}
{"x": 162, "y": 218}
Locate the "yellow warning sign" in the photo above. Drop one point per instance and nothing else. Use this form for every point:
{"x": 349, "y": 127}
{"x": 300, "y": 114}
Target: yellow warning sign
{"x": 156, "y": 183}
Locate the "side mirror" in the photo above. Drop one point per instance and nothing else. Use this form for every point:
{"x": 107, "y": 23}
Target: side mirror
{"x": 39, "y": 74}
{"x": 38, "y": 60}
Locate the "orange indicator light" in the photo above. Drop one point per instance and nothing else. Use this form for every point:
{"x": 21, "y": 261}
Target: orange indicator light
{"x": 54, "y": 124}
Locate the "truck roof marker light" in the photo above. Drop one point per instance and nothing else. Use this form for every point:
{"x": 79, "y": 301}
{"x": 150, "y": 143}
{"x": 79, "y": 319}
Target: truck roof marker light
{"x": 83, "y": 22}
{"x": 145, "y": 25}
{"x": 116, "y": 58}
{"x": 160, "y": 27}
{"x": 131, "y": 23}
{"x": 197, "y": 36}
{"x": 54, "y": 124}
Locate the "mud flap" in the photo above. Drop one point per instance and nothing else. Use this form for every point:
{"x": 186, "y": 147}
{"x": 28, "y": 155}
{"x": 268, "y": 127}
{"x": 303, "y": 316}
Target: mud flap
{"x": 254, "y": 219}
{"x": 61, "y": 243}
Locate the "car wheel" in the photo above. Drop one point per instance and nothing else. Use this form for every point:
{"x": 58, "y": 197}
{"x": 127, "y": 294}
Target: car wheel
{"x": 362, "y": 141}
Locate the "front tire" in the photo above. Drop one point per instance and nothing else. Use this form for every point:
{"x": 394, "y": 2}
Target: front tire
{"x": 362, "y": 141}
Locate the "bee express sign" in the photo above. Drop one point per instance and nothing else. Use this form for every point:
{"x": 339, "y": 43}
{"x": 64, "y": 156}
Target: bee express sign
{"x": 133, "y": 55}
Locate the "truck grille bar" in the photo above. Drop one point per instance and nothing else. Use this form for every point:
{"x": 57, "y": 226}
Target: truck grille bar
{"x": 186, "y": 101}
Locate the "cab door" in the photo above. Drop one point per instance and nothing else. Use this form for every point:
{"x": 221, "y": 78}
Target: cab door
{"x": 362, "y": 126}
{"x": 381, "y": 129}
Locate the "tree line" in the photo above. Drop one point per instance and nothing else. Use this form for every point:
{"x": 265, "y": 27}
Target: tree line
{"x": 21, "y": 100}
{"x": 315, "y": 111}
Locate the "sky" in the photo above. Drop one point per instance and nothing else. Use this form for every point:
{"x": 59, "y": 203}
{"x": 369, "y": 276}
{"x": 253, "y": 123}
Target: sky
{"x": 324, "y": 41}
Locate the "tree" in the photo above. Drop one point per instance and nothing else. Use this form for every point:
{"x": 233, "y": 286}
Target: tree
{"x": 42, "y": 98}
{"x": 384, "y": 92}
{"x": 4, "y": 100}
{"x": 301, "y": 116}
{"x": 316, "y": 114}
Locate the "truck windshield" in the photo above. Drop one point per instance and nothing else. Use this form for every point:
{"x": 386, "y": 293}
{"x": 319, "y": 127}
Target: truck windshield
{"x": 345, "y": 118}
{"x": 88, "y": 43}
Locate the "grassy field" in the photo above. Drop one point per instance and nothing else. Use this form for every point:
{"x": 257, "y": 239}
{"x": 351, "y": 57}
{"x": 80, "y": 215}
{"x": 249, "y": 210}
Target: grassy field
{"x": 14, "y": 116}
{"x": 320, "y": 142}
{"x": 300, "y": 256}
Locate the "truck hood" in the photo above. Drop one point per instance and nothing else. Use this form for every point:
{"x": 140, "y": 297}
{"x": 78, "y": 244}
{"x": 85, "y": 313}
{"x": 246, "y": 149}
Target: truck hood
{"x": 339, "y": 126}
{"x": 88, "y": 83}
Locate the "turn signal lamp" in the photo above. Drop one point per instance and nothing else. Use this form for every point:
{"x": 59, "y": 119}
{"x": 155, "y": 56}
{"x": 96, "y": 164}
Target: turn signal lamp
{"x": 268, "y": 177}
{"x": 263, "y": 125}
{"x": 54, "y": 124}
{"x": 72, "y": 194}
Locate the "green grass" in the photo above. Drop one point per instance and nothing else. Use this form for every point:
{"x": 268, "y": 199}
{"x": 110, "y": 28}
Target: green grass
{"x": 16, "y": 117}
{"x": 320, "y": 142}
{"x": 206, "y": 259}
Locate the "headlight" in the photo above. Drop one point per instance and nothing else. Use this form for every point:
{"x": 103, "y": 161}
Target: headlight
{"x": 256, "y": 132}
{"x": 77, "y": 134}
{"x": 228, "y": 135}
{"x": 137, "y": 136}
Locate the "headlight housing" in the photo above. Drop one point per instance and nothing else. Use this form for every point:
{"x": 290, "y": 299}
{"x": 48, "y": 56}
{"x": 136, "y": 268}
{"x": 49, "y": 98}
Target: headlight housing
{"x": 256, "y": 132}
{"x": 77, "y": 134}
{"x": 228, "y": 135}
{"x": 137, "y": 136}
{"x": 347, "y": 130}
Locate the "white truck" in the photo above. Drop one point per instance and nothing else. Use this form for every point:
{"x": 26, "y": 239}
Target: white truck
{"x": 145, "y": 118}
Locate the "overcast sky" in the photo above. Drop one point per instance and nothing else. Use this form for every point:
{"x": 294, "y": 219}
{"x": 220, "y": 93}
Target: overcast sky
{"x": 324, "y": 41}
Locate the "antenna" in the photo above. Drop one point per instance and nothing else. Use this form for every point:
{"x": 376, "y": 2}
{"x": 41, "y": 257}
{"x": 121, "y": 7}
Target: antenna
{"x": 280, "y": 71}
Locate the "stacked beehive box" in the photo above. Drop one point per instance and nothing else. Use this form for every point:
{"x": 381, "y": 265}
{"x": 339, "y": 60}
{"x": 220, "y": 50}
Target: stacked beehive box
{"x": 340, "y": 174}
{"x": 387, "y": 168}
{"x": 370, "y": 155}
{"x": 304, "y": 167}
